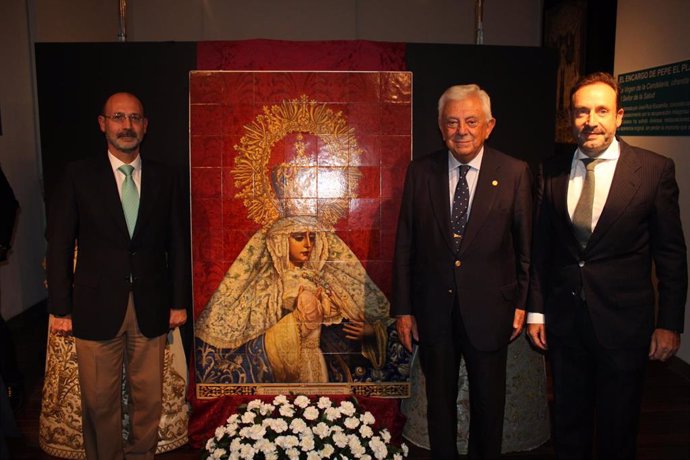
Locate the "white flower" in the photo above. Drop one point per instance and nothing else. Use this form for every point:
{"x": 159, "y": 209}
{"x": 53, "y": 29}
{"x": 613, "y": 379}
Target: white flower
{"x": 253, "y": 405}
{"x": 347, "y": 408}
{"x": 298, "y": 425}
{"x": 366, "y": 457}
{"x": 266, "y": 409}
{"x": 287, "y": 442}
{"x": 365, "y": 431}
{"x": 286, "y": 410}
{"x": 311, "y": 413}
{"x": 352, "y": 422}
{"x": 332, "y": 413}
{"x": 248, "y": 417}
{"x": 307, "y": 444}
{"x": 220, "y": 432}
{"x": 211, "y": 444}
{"x": 379, "y": 448}
{"x": 385, "y": 434}
{"x": 301, "y": 401}
{"x": 280, "y": 399}
{"x": 293, "y": 454}
{"x": 231, "y": 428}
{"x": 324, "y": 403}
{"x": 278, "y": 425}
{"x": 327, "y": 451}
{"x": 218, "y": 453}
{"x": 233, "y": 418}
{"x": 405, "y": 449}
{"x": 247, "y": 452}
{"x": 321, "y": 430}
{"x": 340, "y": 439}
{"x": 256, "y": 432}
{"x": 368, "y": 418}
{"x": 265, "y": 446}
{"x": 356, "y": 447}
{"x": 235, "y": 445}
{"x": 313, "y": 456}
{"x": 397, "y": 457}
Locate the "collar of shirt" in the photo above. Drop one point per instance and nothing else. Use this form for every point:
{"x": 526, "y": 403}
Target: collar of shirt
{"x": 604, "y": 178}
{"x": 119, "y": 177}
{"x": 454, "y": 176}
{"x": 612, "y": 152}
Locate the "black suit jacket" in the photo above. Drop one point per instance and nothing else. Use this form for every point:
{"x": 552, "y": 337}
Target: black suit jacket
{"x": 86, "y": 208}
{"x": 640, "y": 224}
{"x": 489, "y": 275}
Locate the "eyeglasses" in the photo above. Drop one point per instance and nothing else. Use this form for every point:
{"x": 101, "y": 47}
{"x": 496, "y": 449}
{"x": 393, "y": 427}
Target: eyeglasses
{"x": 119, "y": 117}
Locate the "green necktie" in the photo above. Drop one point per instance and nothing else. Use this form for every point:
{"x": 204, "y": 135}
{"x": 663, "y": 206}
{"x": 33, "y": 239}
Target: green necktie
{"x": 130, "y": 198}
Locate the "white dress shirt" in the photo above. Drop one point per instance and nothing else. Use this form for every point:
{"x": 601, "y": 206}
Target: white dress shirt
{"x": 602, "y": 185}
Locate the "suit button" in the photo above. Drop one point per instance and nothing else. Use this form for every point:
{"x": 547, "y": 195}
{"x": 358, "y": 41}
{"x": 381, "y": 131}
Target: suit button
{"x": 581, "y": 263}
{"x": 133, "y": 253}
{"x": 450, "y": 291}
{"x": 458, "y": 263}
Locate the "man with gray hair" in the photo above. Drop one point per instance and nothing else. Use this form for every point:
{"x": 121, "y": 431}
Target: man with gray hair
{"x": 461, "y": 270}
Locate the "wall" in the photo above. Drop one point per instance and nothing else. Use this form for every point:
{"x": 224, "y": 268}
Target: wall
{"x": 648, "y": 37}
{"x": 25, "y": 22}
{"x": 21, "y": 278}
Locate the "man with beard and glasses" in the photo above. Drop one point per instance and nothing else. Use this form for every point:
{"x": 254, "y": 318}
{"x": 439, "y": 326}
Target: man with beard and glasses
{"x": 129, "y": 284}
{"x": 605, "y": 215}
{"x": 461, "y": 270}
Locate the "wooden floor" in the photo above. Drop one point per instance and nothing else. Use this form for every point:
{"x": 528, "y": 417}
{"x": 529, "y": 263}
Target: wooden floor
{"x": 664, "y": 425}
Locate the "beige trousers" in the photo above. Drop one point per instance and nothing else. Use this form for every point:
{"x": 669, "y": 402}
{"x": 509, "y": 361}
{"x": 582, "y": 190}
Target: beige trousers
{"x": 100, "y": 376}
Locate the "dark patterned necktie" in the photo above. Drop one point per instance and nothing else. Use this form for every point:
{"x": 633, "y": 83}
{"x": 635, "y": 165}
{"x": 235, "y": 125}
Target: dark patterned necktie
{"x": 582, "y": 216}
{"x": 461, "y": 201}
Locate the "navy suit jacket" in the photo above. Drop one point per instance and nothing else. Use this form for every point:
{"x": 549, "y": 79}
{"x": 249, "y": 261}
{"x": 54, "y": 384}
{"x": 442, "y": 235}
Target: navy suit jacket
{"x": 488, "y": 278}
{"x": 86, "y": 208}
{"x": 640, "y": 224}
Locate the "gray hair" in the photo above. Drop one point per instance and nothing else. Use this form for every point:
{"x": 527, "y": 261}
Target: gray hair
{"x": 460, "y": 92}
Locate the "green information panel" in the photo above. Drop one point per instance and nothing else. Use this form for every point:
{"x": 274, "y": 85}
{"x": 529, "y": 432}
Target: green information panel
{"x": 656, "y": 101}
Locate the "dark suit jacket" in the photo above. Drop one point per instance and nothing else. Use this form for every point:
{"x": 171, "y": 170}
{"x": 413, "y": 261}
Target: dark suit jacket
{"x": 86, "y": 207}
{"x": 490, "y": 272}
{"x": 639, "y": 224}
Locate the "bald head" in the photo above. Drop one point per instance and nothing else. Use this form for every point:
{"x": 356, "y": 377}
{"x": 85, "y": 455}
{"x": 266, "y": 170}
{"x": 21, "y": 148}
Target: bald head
{"x": 124, "y": 125}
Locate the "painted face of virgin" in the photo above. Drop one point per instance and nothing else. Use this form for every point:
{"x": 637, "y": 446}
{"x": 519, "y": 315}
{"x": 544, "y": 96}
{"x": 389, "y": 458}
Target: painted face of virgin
{"x": 300, "y": 247}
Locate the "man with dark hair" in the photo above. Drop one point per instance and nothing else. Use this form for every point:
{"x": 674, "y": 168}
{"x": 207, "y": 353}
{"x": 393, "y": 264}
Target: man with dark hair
{"x": 130, "y": 282}
{"x": 604, "y": 216}
{"x": 461, "y": 270}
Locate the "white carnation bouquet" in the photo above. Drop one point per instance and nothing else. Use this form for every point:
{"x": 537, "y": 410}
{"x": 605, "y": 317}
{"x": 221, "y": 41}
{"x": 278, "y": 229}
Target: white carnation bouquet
{"x": 301, "y": 430}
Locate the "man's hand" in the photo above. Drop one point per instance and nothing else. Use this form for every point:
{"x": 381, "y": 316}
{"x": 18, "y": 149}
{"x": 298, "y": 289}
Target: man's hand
{"x": 61, "y": 327}
{"x": 664, "y": 344}
{"x": 518, "y": 323}
{"x": 177, "y": 318}
{"x": 407, "y": 330}
{"x": 537, "y": 334}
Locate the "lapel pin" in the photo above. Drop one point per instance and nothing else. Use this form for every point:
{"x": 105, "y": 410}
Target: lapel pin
{"x": 494, "y": 183}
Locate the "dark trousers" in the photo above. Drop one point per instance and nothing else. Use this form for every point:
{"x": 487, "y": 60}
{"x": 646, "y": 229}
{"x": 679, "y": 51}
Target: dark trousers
{"x": 486, "y": 372}
{"x": 597, "y": 394}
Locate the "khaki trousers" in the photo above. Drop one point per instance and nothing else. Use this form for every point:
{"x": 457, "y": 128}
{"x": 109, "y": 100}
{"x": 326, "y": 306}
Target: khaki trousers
{"x": 100, "y": 378}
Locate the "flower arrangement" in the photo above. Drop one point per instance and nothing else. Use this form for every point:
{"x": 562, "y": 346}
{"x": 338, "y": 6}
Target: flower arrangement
{"x": 301, "y": 430}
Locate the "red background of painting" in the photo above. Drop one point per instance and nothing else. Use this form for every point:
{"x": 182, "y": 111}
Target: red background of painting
{"x": 378, "y": 105}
